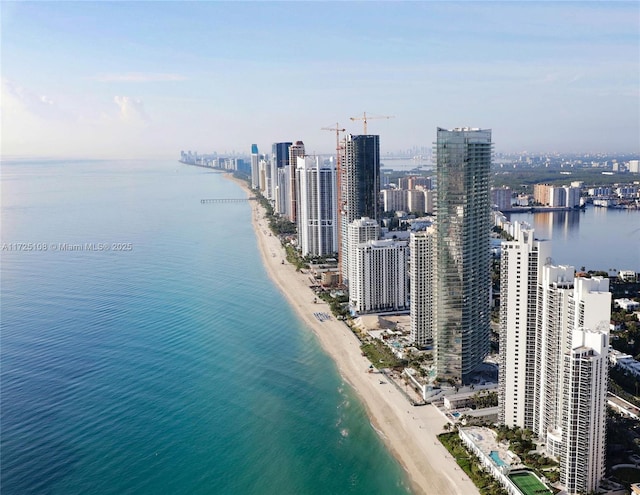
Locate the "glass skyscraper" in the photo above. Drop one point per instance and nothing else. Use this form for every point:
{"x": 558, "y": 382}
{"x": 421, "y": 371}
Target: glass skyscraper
{"x": 463, "y": 259}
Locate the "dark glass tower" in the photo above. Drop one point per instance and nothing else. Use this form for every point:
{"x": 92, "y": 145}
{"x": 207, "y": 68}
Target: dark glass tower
{"x": 279, "y": 160}
{"x": 360, "y": 185}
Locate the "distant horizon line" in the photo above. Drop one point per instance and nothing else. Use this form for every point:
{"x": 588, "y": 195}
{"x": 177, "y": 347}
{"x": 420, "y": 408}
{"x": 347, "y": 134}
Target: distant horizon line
{"x": 176, "y": 155}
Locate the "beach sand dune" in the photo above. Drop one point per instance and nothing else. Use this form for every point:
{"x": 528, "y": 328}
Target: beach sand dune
{"x": 409, "y": 432}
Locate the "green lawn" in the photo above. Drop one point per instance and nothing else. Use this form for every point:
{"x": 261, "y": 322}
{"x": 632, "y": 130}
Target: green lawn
{"x": 529, "y": 484}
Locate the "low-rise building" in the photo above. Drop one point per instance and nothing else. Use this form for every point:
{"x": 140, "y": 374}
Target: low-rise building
{"x": 626, "y": 304}
{"x": 627, "y": 275}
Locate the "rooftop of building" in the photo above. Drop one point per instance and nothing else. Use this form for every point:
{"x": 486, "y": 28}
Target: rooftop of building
{"x": 485, "y": 439}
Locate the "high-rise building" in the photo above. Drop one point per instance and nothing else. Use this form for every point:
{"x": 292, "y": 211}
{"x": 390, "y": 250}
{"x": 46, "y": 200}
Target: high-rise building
{"x": 264, "y": 169}
{"x": 574, "y": 397}
{"x": 281, "y": 190}
{"x": 394, "y": 199}
{"x": 422, "y": 272}
{"x": 360, "y": 183}
{"x": 414, "y": 182}
{"x": 359, "y": 231}
{"x": 583, "y": 424}
{"x": 429, "y": 203}
{"x": 279, "y": 160}
{"x": 553, "y": 357}
{"x": 416, "y": 200}
{"x": 521, "y": 265}
{"x": 552, "y": 333}
{"x": 379, "y": 277}
{"x": 573, "y": 195}
{"x": 557, "y": 196}
{"x": 295, "y": 150}
{"x": 461, "y": 339}
{"x": 501, "y": 198}
{"x": 255, "y": 169}
{"x": 317, "y": 207}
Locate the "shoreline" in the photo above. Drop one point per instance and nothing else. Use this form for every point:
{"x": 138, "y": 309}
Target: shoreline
{"x": 408, "y": 432}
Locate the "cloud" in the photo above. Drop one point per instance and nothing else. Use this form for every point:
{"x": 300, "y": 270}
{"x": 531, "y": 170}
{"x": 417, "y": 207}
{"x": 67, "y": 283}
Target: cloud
{"x": 18, "y": 97}
{"x": 131, "y": 109}
{"x": 139, "y": 77}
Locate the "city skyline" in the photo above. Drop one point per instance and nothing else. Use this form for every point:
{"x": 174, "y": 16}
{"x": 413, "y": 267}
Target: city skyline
{"x": 137, "y": 79}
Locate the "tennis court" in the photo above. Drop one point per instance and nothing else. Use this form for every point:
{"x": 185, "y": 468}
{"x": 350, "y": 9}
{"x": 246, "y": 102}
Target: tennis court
{"x": 529, "y": 484}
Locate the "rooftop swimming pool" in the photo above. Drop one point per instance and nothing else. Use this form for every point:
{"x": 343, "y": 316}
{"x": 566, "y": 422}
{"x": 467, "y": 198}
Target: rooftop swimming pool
{"x": 496, "y": 458}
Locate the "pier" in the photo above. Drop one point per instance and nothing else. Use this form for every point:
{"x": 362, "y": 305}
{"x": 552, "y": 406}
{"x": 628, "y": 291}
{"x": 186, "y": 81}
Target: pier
{"x": 227, "y": 200}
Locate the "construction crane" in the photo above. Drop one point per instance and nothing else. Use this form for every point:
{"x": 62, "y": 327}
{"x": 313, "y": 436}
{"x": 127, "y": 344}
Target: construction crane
{"x": 365, "y": 117}
{"x": 338, "y": 130}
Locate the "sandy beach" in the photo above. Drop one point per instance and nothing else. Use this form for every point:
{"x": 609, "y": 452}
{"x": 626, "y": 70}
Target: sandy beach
{"x": 409, "y": 432}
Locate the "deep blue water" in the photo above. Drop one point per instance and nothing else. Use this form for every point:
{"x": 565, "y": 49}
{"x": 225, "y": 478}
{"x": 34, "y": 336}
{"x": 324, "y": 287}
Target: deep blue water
{"x": 174, "y": 367}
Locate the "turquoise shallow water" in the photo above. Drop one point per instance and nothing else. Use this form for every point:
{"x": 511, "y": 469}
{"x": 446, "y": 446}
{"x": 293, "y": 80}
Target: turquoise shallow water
{"x": 173, "y": 367}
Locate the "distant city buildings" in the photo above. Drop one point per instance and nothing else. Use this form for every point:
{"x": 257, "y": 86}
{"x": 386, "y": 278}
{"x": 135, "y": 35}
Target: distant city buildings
{"x": 410, "y": 194}
{"x": 317, "y": 218}
{"x": 501, "y": 198}
{"x": 557, "y": 196}
{"x": 463, "y": 259}
{"x": 416, "y": 200}
{"x": 394, "y": 200}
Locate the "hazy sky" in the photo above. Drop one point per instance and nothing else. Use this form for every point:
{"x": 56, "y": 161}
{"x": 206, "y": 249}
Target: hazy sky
{"x": 124, "y": 79}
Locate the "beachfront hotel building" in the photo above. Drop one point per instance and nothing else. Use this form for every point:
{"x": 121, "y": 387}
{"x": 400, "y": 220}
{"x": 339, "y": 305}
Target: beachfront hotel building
{"x": 582, "y": 429}
{"x": 422, "y": 292}
{"x": 279, "y": 160}
{"x": 521, "y": 262}
{"x": 291, "y": 208}
{"x": 360, "y": 187}
{"x": 359, "y": 231}
{"x": 255, "y": 168}
{"x": 572, "y": 408}
{"x": 379, "y": 277}
{"x": 553, "y": 357}
{"x": 264, "y": 169}
{"x": 317, "y": 220}
{"x": 463, "y": 265}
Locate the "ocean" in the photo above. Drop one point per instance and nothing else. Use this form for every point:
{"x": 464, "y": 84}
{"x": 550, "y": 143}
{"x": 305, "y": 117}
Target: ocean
{"x": 144, "y": 349}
